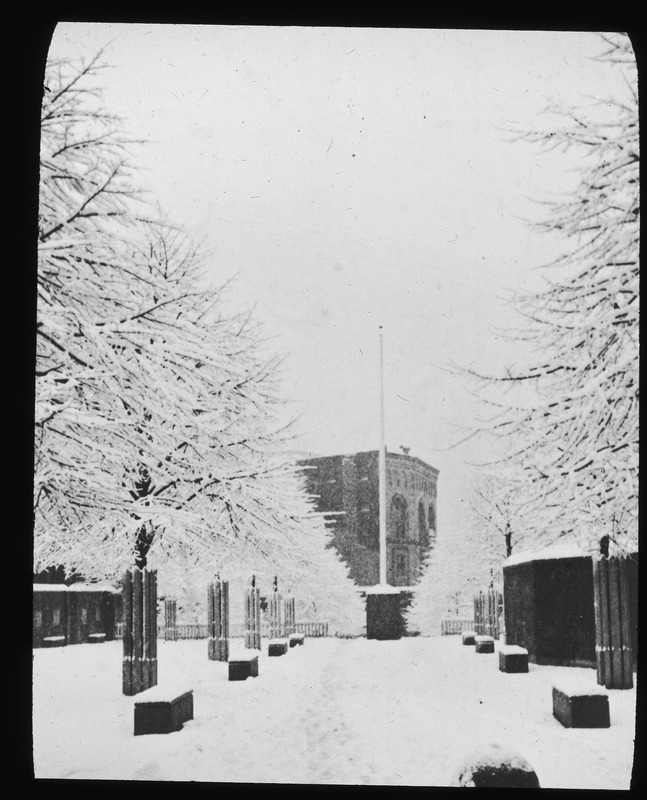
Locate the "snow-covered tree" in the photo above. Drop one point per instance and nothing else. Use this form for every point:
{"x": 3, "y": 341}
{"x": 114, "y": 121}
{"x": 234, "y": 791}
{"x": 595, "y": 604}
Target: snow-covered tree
{"x": 494, "y": 523}
{"x": 498, "y": 517}
{"x": 160, "y": 428}
{"x": 571, "y": 414}
{"x": 450, "y": 576}
{"x": 314, "y": 574}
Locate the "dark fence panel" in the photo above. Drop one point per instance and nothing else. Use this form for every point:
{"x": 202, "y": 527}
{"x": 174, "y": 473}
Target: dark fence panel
{"x": 218, "y": 620}
{"x": 613, "y": 623}
{"x": 488, "y": 608}
{"x": 139, "y": 631}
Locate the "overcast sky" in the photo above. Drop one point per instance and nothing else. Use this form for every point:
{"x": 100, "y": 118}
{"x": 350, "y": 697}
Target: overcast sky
{"x": 351, "y": 178}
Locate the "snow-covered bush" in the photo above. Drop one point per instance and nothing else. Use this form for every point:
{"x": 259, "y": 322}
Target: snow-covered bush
{"x": 495, "y": 766}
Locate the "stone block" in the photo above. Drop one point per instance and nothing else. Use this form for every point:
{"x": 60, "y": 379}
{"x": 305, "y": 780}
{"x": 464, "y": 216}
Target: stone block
{"x": 513, "y": 658}
{"x": 158, "y": 710}
{"x": 581, "y": 708}
{"x": 384, "y": 618}
{"x": 468, "y": 637}
{"x": 484, "y": 644}
{"x": 277, "y": 647}
{"x": 243, "y": 667}
{"x": 54, "y": 641}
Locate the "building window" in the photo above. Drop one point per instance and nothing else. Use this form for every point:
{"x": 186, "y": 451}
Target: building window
{"x": 432, "y": 519}
{"x": 84, "y": 615}
{"x": 399, "y": 517}
{"x": 368, "y": 529}
{"x": 422, "y": 523}
{"x": 38, "y": 618}
{"x": 401, "y": 568}
{"x": 56, "y": 616}
{"x": 97, "y": 613}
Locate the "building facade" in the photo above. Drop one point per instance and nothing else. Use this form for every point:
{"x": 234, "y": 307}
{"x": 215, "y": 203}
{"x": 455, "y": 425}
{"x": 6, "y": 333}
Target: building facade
{"x": 74, "y": 613}
{"x": 347, "y": 487}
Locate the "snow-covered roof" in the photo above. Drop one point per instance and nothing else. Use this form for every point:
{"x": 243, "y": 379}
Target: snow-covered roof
{"x": 390, "y": 454}
{"x": 162, "y": 693}
{"x": 566, "y": 550}
{"x": 513, "y": 650}
{"x": 493, "y": 755}
{"x": 383, "y": 588}
{"x": 243, "y": 655}
{"x": 75, "y": 587}
{"x": 577, "y": 687}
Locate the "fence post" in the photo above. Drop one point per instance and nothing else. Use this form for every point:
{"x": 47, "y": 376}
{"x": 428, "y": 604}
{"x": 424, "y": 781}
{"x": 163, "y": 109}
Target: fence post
{"x": 277, "y": 613}
{"x": 218, "y": 620}
{"x": 139, "y": 593}
{"x": 487, "y": 608}
{"x": 500, "y": 618}
{"x": 290, "y": 616}
{"x": 150, "y": 630}
{"x": 478, "y": 613}
{"x": 490, "y": 615}
{"x": 494, "y": 603}
{"x": 613, "y": 646}
{"x": 127, "y": 633}
{"x": 253, "y": 616}
{"x": 170, "y": 620}
{"x": 481, "y": 625}
{"x": 625, "y": 623}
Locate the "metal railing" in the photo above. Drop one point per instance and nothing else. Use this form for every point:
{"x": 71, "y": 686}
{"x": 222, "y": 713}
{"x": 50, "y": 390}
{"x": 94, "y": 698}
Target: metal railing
{"x": 454, "y": 625}
{"x": 201, "y": 630}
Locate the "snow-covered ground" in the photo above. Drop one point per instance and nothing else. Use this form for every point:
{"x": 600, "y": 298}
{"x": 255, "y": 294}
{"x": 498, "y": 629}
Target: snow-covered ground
{"x": 345, "y": 711}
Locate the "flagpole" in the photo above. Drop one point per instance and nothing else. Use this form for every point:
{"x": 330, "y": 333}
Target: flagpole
{"x": 382, "y": 470}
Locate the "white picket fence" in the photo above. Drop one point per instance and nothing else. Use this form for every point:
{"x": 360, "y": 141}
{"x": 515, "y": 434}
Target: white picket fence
{"x": 311, "y": 630}
{"x": 454, "y": 625}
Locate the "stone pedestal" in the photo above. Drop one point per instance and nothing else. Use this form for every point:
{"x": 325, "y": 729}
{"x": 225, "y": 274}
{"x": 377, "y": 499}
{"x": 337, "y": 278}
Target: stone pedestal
{"x": 513, "y": 658}
{"x": 277, "y": 647}
{"x": 483, "y": 644}
{"x": 581, "y": 708}
{"x": 158, "y": 710}
{"x": 54, "y": 641}
{"x": 384, "y": 616}
{"x": 467, "y": 637}
{"x": 242, "y": 667}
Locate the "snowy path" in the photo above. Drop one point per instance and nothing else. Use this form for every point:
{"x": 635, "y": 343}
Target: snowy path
{"x": 334, "y": 711}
